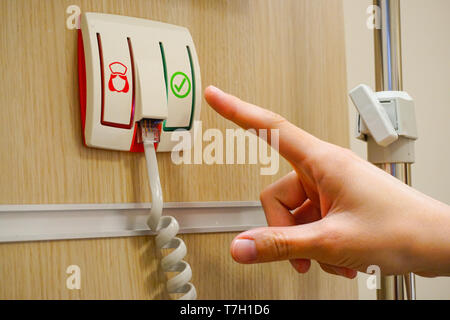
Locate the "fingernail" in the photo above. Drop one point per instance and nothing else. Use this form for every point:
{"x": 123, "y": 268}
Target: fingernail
{"x": 244, "y": 250}
{"x": 301, "y": 265}
{"x": 214, "y": 88}
{"x": 351, "y": 274}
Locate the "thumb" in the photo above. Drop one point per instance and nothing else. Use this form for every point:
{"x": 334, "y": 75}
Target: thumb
{"x": 279, "y": 243}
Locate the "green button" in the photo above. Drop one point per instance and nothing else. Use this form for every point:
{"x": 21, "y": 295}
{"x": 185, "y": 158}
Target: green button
{"x": 180, "y": 84}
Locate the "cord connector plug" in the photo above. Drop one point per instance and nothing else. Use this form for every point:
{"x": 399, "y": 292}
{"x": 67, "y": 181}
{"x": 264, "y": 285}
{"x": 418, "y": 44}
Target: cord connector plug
{"x": 150, "y": 130}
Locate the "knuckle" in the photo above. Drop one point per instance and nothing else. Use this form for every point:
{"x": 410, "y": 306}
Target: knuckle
{"x": 317, "y": 163}
{"x": 274, "y": 119}
{"x": 329, "y": 157}
{"x": 332, "y": 152}
{"x": 278, "y": 245}
{"x": 319, "y": 155}
{"x": 344, "y": 156}
{"x": 269, "y": 192}
{"x": 265, "y": 194}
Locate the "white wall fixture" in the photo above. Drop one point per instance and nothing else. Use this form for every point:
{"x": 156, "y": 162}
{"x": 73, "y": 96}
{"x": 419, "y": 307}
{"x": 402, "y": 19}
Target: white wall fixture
{"x": 132, "y": 69}
{"x": 32, "y": 222}
{"x": 387, "y": 121}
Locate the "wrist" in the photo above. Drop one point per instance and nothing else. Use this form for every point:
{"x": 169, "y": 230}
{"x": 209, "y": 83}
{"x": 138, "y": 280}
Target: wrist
{"x": 430, "y": 240}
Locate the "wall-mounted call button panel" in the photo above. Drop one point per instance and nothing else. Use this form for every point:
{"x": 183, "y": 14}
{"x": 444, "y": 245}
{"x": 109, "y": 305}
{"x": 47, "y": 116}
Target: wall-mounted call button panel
{"x": 131, "y": 69}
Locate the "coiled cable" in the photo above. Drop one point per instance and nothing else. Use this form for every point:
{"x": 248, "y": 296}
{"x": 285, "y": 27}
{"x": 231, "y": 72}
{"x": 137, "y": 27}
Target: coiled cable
{"x": 166, "y": 227}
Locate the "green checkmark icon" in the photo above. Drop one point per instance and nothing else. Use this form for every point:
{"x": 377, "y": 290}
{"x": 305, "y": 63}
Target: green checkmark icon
{"x": 182, "y": 89}
{"x": 181, "y": 85}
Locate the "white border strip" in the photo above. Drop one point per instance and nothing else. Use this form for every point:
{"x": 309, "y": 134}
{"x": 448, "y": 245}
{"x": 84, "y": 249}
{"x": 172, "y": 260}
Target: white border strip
{"x": 75, "y": 221}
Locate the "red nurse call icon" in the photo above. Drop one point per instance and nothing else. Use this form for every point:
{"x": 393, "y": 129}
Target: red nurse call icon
{"x": 118, "y": 80}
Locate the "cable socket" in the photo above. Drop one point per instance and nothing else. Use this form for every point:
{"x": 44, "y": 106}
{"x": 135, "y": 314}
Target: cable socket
{"x": 150, "y": 130}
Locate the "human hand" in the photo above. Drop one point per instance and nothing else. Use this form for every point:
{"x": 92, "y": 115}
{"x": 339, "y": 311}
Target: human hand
{"x": 337, "y": 208}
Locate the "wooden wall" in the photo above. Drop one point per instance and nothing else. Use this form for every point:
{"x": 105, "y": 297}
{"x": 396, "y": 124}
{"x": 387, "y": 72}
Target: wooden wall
{"x": 287, "y": 56}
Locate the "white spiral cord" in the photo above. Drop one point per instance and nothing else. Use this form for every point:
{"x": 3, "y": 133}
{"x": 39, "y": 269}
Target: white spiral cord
{"x": 166, "y": 227}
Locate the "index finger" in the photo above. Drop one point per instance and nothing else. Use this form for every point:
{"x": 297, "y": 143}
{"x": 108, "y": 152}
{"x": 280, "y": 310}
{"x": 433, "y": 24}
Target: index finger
{"x": 295, "y": 144}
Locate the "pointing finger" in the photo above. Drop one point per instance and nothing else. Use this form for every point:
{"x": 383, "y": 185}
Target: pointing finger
{"x": 295, "y": 144}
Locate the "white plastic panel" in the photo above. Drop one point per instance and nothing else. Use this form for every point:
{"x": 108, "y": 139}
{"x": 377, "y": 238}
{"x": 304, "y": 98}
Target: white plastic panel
{"x": 153, "y": 53}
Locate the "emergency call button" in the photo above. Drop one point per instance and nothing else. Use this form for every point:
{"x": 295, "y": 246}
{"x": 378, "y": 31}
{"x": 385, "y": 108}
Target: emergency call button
{"x": 117, "y": 96}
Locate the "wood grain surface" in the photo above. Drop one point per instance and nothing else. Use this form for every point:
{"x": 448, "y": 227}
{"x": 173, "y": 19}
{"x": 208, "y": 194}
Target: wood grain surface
{"x": 287, "y": 56}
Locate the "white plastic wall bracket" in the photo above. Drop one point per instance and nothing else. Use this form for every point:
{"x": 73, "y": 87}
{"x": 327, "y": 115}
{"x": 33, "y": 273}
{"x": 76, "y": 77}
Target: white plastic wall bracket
{"x": 373, "y": 114}
{"x": 131, "y": 69}
{"x": 387, "y": 122}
